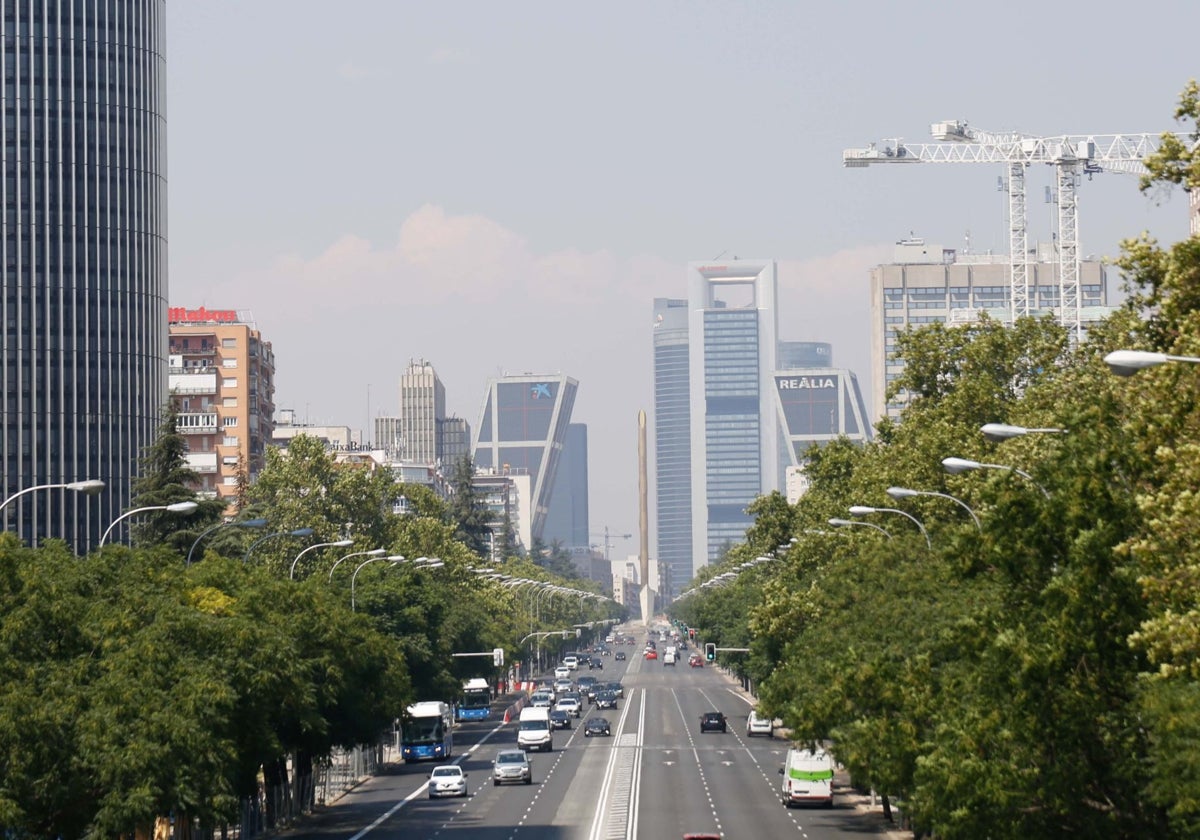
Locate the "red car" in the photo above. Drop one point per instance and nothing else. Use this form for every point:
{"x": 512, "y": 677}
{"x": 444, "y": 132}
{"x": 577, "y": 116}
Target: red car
{"x": 696, "y": 660}
{"x": 652, "y": 654}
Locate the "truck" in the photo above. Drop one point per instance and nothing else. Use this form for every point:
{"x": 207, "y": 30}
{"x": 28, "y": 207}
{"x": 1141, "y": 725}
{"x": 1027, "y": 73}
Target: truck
{"x": 476, "y": 700}
{"x": 427, "y": 731}
{"x": 807, "y": 778}
{"x": 533, "y": 729}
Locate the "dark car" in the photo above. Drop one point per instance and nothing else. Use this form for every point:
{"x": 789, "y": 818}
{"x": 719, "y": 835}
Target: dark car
{"x": 596, "y": 662}
{"x": 620, "y": 657}
{"x": 606, "y": 699}
{"x": 713, "y": 722}
{"x": 596, "y": 726}
{"x": 560, "y": 719}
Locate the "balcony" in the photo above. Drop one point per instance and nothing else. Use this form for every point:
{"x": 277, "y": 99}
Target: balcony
{"x": 197, "y": 424}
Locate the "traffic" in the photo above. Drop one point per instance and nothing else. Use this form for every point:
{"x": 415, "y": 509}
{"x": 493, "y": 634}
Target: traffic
{"x": 646, "y": 751}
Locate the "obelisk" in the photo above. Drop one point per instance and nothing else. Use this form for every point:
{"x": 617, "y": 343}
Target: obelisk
{"x": 646, "y": 594}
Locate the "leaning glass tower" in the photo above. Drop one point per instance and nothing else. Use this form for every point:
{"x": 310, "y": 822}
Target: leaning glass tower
{"x": 84, "y": 331}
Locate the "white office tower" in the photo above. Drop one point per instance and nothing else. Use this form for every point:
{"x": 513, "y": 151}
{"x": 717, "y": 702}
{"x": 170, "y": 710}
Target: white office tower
{"x": 732, "y": 328}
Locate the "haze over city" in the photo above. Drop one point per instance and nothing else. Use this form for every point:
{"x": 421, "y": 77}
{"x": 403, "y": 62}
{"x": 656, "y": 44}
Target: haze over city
{"x": 505, "y": 188}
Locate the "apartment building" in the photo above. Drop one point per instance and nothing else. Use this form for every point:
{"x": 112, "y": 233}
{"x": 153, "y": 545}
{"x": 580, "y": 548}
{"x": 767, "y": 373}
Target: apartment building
{"x": 222, "y": 383}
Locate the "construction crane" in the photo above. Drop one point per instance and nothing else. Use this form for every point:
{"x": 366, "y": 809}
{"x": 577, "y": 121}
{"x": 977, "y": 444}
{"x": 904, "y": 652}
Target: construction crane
{"x": 1071, "y": 155}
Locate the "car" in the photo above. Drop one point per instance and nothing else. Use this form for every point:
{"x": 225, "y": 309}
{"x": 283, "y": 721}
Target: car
{"x": 615, "y": 687}
{"x": 651, "y": 654}
{"x": 620, "y": 656}
{"x": 570, "y": 705}
{"x": 713, "y": 722}
{"x": 595, "y": 662}
{"x": 542, "y": 698}
{"x": 596, "y": 726}
{"x": 562, "y": 672}
{"x": 696, "y": 660}
{"x": 562, "y": 686}
{"x": 511, "y": 766}
{"x": 560, "y": 719}
{"x": 756, "y": 725}
{"x": 606, "y": 699}
{"x": 447, "y": 780}
{"x": 584, "y": 683}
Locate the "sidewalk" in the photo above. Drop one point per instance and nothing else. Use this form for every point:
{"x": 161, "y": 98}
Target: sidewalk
{"x": 862, "y": 802}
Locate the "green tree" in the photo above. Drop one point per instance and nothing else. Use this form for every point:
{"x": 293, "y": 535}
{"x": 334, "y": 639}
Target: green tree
{"x": 468, "y": 513}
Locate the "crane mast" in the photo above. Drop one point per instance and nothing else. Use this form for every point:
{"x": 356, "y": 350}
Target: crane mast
{"x": 1071, "y": 155}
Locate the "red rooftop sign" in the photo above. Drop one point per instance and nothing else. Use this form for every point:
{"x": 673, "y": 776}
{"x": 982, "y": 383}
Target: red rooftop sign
{"x": 180, "y": 315}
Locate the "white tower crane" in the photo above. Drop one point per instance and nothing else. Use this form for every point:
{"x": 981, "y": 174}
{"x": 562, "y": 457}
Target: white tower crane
{"x": 1071, "y": 155}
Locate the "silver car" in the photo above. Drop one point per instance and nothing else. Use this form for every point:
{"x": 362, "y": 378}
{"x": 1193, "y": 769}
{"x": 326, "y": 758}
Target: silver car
{"x": 511, "y": 766}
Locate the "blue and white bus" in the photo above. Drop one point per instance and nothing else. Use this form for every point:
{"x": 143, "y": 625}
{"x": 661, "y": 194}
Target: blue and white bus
{"x": 428, "y": 732}
{"x": 476, "y": 700}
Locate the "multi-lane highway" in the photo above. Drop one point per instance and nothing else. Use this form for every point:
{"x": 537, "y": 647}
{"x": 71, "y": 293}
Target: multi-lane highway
{"x": 657, "y": 776}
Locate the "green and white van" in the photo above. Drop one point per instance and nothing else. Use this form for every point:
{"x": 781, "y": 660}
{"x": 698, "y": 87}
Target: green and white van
{"x": 807, "y": 778}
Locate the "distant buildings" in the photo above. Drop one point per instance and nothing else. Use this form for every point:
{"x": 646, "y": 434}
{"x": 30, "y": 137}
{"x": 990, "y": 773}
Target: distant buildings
{"x": 222, "y": 383}
{"x": 567, "y": 518}
{"x": 523, "y": 428}
{"x": 421, "y": 433}
{"x": 84, "y": 367}
{"x": 672, "y": 443}
{"x": 927, "y": 284}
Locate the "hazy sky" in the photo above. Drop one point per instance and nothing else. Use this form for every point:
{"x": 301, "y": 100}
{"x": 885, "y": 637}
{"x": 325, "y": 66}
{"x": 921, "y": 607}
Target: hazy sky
{"x": 504, "y": 187}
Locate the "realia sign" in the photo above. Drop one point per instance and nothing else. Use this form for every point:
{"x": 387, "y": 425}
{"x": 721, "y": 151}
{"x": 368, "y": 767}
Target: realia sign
{"x": 805, "y": 383}
{"x": 180, "y": 315}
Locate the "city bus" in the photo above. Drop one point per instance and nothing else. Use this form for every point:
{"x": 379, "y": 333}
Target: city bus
{"x": 427, "y": 732}
{"x": 476, "y": 700}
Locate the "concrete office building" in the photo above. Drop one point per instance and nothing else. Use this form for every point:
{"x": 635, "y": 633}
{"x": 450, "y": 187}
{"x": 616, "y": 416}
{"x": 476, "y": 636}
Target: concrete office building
{"x": 734, "y": 436}
{"x": 672, "y": 445}
{"x": 567, "y": 519}
{"x": 222, "y": 381}
{"x": 84, "y": 370}
{"x": 927, "y": 284}
{"x": 523, "y": 428}
{"x": 422, "y": 404}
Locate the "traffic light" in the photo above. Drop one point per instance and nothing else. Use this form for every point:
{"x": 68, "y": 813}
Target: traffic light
{"x": 710, "y": 651}
{"x": 691, "y": 632}
{"x": 498, "y": 657}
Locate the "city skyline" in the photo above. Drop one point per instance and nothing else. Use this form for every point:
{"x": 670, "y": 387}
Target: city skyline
{"x": 499, "y": 217}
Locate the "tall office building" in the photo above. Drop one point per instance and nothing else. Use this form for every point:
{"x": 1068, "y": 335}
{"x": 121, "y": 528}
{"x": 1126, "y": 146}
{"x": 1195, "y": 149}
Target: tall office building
{"x": 672, "y": 445}
{"x": 523, "y": 426}
{"x": 732, "y": 329}
{"x": 222, "y": 381}
{"x": 567, "y": 518}
{"x": 927, "y": 284}
{"x": 422, "y": 404}
{"x": 815, "y": 405}
{"x": 84, "y": 238}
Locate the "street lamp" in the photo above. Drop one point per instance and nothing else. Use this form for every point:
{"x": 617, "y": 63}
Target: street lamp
{"x": 88, "y": 488}
{"x": 374, "y": 552}
{"x": 842, "y": 523}
{"x": 1129, "y": 362}
{"x": 394, "y": 558}
{"x": 299, "y": 532}
{"x": 954, "y": 466}
{"x": 176, "y": 507}
{"x": 863, "y": 510}
{"x": 244, "y": 523}
{"x": 338, "y": 543}
{"x": 906, "y": 493}
{"x": 997, "y": 432}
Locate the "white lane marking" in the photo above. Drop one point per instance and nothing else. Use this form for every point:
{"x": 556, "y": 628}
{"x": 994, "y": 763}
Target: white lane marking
{"x": 635, "y": 784}
{"x": 603, "y": 811}
{"x": 696, "y": 756}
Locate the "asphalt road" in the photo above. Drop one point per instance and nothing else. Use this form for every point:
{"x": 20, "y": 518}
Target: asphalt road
{"x": 656, "y": 777}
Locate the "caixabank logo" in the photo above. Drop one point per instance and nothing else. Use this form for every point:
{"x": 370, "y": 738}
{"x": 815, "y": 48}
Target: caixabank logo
{"x": 540, "y": 391}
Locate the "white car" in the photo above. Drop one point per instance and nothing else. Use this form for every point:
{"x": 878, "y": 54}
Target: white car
{"x": 447, "y": 780}
{"x": 570, "y": 705}
{"x": 541, "y": 699}
{"x": 756, "y": 725}
{"x": 562, "y": 672}
{"x": 562, "y": 685}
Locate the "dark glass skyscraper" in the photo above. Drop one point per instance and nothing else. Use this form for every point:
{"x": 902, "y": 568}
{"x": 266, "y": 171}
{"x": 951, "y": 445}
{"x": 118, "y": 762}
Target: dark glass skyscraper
{"x": 672, "y": 444}
{"x": 84, "y": 249}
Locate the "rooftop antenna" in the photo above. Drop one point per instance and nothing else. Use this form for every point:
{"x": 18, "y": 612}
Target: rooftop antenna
{"x": 718, "y": 256}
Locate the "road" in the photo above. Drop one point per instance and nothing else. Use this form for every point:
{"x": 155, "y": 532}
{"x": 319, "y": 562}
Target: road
{"x": 656, "y": 777}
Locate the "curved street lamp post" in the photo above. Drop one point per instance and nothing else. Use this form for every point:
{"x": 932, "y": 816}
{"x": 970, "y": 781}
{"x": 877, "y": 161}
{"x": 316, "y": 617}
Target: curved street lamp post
{"x": 954, "y": 466}
{"x": 906, "y": 493}
{"x": 244, "y": 523}
{"x": 338, "y": 543}
{"x": 176, "y": 507}
{"x": 298, "y": 532}
{"x": 374, "y": 552}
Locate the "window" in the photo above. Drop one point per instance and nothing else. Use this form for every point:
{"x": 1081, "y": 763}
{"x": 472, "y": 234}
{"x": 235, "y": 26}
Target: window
{"x": 229, "y": 402}
{"x": 229, "y": 363}
{"x": 229, "y": 382}
{"x": 230, "y": 480}
{"x": 229, "y": 440}
{"x": 230, "y": 422}
{"x": 229, "y": 342}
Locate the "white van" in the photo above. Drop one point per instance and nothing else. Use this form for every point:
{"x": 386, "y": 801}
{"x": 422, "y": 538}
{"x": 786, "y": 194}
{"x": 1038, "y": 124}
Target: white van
{"x": 807, "y": 777}
{"x": 533, "y": 729}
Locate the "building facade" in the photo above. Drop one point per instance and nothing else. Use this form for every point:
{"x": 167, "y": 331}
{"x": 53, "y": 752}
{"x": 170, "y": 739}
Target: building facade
{"x": 672, "y": 444}
{"x": 222, "y": 381}
{"x": 567, "y": 518}
{"x": 815, "y": 406}
{"x": 83, "y": 234}
{"x": 523, "y": 427}
{"x": 422, "y": 405}
{"x": 732, "y": 328}
{"x": 928, "y": 284}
